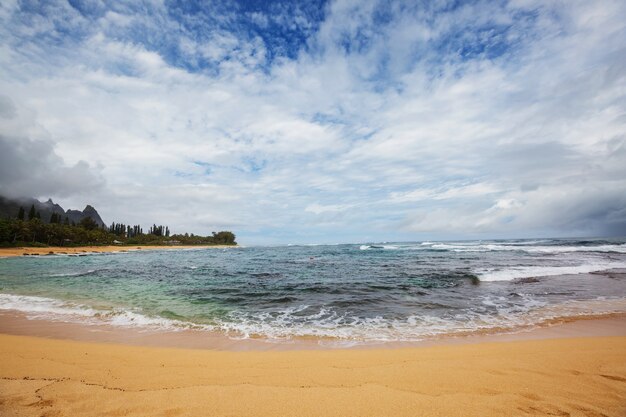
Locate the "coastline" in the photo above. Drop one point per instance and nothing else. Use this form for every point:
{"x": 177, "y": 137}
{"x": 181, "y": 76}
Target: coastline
{"x": 20, "y": 324}
{"x": 79, "y": 250}
{"x": 571, "y": 376}
{"x": 568, "y": 365}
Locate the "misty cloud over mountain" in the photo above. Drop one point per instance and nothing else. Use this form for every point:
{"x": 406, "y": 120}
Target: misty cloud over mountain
{"x": 32, "y": 168}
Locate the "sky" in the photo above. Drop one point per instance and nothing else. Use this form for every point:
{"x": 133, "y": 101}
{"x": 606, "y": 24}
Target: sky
{"x": 321, "y": 122}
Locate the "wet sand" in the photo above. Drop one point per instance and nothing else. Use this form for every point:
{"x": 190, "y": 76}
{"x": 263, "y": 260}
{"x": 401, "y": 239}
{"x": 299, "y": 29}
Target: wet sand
{"x": 19, "y": 324}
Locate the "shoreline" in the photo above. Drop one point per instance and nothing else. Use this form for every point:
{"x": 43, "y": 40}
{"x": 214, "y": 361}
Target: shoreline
{"x": 88, "y": 250}
{"x": 17, "y": 323}
{"x": 574, "y": 366}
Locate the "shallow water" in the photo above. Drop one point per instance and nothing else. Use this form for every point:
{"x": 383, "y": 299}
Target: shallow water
{"x": 359, "y": 292}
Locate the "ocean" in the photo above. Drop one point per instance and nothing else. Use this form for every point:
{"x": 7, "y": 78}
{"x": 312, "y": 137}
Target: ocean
{"x": 354, "y": 293}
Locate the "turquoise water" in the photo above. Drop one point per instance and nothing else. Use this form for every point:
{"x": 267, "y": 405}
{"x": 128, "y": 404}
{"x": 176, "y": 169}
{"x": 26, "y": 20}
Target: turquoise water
{"x": 361, "y": 292}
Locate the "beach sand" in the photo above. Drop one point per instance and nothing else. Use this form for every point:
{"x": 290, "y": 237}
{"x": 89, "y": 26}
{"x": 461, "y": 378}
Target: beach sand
{"x": 560, "y": 377}
{"x": 56, "y": 250}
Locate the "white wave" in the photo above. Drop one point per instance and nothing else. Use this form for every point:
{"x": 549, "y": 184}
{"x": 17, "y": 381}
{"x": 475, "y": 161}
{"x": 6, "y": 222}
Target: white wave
{"x": 339, "y": 329}
{"x": 512, "y": 273}
{"x": 529, "y": 247}
{"x": 563, "y": 249}
{"x": 531, "y": 242}
{"x": 128, "y": 318}
{"x": 387, "y": 247}
{"x": 43, "y": 305}
{"x": 619, "y": 248}
{"x": 74, "y": 274}
{"x": 52, "y": 309}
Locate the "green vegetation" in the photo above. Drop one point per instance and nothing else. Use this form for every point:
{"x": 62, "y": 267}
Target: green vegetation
{"x": 60, "y": 232}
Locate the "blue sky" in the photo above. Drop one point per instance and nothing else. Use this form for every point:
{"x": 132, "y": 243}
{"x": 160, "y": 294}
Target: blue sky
{"x": 321, "y": 122}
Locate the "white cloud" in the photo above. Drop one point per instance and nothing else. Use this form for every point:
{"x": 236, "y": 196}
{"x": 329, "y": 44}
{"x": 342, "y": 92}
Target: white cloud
{"x": 481, "y": 190}
{"x": 319, "y": 208}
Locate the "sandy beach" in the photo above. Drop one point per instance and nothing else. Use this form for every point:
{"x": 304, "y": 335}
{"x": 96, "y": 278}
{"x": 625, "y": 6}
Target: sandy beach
{"x": 564, "y": 377}
{"x": 60, "y": 250}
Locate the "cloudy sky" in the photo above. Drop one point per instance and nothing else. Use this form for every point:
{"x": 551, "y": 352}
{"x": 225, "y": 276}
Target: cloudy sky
{"x": 313, "y": 121}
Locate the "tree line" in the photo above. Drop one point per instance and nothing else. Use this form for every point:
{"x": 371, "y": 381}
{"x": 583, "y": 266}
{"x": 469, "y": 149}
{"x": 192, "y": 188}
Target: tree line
{"x": 30, "y": 230}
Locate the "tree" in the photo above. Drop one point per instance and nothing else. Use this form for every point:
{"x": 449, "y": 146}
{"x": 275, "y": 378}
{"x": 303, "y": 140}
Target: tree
{"x": 224, "y": 237}
{"x": 20, "y": 214}
{"x": 14, "y": 231}
{"x": 31, "y": 213}
{"x": 88, "y": 223}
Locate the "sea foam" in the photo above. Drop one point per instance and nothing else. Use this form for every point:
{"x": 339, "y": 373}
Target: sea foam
{"x": 511, "y": 273}
{"x": 45, "y": 308}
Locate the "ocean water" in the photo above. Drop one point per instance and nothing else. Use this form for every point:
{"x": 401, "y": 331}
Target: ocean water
{"x": 353, "y": 292}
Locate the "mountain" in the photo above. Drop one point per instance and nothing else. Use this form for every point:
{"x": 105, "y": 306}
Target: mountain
{"x": 76, "y": 215}
{"x": 11, "y": 207}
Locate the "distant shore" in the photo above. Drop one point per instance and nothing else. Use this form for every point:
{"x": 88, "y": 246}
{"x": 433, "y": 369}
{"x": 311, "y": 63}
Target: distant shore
{"x": 78, "y": 250}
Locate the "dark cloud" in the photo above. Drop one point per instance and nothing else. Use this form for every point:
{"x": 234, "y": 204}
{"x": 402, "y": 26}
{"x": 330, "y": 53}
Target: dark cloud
{"x": 31, "y": 168}
{"x": 7, "y": 108}
{"x": 599, "y": 212}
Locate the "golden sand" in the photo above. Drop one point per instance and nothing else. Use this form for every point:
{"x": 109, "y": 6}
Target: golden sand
{"x": 560, "y": 377}
{"x": 60, "y": 250}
